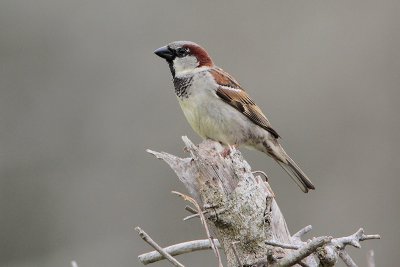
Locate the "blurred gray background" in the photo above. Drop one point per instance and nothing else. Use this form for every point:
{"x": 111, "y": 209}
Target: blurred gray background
{"x": 82, "y": 96}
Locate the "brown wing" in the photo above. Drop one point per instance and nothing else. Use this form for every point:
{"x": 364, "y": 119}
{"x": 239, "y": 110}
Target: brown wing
{"x": 240, "y": 100}
{"x": 224, "y": 79}
{"x": 232, "y": 93}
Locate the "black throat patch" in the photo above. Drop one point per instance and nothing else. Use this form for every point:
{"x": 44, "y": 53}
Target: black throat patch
{"x": 181, "y": 85}
{"x": 171, "y": 68}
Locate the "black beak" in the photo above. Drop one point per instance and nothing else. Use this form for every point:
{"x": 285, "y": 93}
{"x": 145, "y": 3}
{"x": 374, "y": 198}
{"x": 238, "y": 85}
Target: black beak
{"x": 165, "y": 52}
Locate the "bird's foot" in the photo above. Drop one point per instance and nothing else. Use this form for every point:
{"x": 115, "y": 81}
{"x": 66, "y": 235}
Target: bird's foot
{"x": 228, "y": 150}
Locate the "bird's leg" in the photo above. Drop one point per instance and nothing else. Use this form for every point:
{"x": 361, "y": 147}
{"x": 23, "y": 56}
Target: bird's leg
{"x": 227, "y": 150}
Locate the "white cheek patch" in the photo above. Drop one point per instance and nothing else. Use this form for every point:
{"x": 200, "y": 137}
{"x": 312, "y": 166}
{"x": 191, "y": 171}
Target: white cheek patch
{"x": 185, "y": 64}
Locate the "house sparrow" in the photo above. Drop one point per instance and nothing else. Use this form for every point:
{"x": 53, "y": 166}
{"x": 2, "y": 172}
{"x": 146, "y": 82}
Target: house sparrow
{"x": 218, "y": 108}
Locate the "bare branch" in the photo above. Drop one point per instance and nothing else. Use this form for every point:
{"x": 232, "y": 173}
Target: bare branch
{"x": 353, "y": 239}
{"x": 336, "y": 248}
{"x": 190, "y": 209}
{"x": 157, "y": 247}
{"x": 304, "y": 251}
{"x": 347, "y": 259}
{"x": 327, "y": 255}
{"x": 204, "y": 222}
{"x": 282, "y": 245}
{"x": 194, "y": 215}
{"x": 302, "y": 232}
{"x": 368, "y": 237}
{"x": 178, "y": 249}
{"x": 241, "y": 207}
{"x": 191, "y": 217}
{"x": 261, "y": 172}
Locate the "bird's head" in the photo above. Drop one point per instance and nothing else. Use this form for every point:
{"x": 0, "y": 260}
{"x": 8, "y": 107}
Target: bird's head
{"x": 184, "y": 57}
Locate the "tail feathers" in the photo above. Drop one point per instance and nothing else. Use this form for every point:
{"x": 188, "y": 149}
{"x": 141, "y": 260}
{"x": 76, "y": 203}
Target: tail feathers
{"x": 297, "y": 175}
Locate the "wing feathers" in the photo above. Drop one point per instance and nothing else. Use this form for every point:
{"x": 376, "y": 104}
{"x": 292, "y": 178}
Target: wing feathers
{"x": 231, "y": 92}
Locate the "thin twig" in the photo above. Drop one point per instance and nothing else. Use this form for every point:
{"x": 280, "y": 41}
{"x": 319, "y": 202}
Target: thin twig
{"x": 368, "y": 237}
{"x": 157, "y": 247}
{"x": 303, "y": 252}
{"x": 302, "y": 232}
{"x": 204, "y": 222}
{"x": 353, "y": 239}
{"x": 194, "y": 216}
{"x": 346, "y": 258}
{"x": 190, "y": 209}
{"x": 200, "y": 212}
{"x": 178, "y": 249}
{"x": 371, "y": 258}
{"x": 282, "y": 245}
{"x": 236, "y": 254}
{"x": 339, "y": 244}
{"x": 191, "y": 217}
{"x": 263, "y": 174}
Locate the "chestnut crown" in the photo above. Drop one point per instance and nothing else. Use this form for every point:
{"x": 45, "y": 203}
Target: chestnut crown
{"x": 184, "y": 56}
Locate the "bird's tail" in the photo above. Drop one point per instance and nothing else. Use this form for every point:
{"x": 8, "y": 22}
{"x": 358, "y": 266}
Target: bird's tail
{"x": 298, "y": 176}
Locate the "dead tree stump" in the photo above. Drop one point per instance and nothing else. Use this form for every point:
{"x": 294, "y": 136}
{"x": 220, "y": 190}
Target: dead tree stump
{"x": 242, "y": 213}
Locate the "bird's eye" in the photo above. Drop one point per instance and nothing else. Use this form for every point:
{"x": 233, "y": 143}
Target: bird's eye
{"x": 181, "y": 52}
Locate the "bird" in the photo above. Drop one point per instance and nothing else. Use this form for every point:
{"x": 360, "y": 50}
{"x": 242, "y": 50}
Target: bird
{"x": 218, "y": 108}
